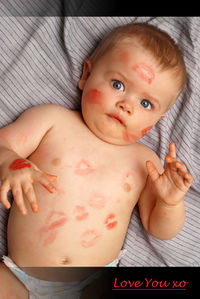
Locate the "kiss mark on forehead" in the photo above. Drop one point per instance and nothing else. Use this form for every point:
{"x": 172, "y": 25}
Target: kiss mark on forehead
{"x": 89, "y": 238}
{"x": 94, "y": 96}
{"x": 124, "y": 57}
{"x": 83, "y": 167}
{"x": 144, "y": 71}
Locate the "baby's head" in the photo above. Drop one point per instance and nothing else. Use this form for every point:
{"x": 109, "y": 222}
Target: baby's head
{"x": 129, "y": 82}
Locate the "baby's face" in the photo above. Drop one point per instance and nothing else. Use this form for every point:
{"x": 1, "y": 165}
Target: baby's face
{"x": 125, "y": 94}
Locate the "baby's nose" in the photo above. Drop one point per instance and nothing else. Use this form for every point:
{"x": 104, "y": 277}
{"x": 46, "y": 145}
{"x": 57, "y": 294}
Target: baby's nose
{"x": 125, "y": 106}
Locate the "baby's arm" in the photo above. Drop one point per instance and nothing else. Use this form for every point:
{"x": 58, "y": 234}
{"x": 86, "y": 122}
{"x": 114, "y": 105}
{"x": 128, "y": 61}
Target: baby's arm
{"x": 161, "y": 203}
{"x": 17, "y": 142}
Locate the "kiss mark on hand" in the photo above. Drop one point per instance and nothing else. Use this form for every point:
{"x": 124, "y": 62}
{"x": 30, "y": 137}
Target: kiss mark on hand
{"x": 19, "y": 164}
{"x": 83, "y": 168}
{"x": 145, "y": 72}
{"x": 81, "y": 213}
{"x": 50, "y": 230}
{"x": 97, "y": 201}
{"x": 110, "y": 221}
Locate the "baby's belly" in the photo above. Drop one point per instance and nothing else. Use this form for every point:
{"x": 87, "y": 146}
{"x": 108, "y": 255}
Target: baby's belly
{"x": 68, "y": 230}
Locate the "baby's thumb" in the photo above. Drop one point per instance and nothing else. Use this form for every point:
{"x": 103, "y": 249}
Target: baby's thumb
{"x": 50, "y": 177}
{"x": 152, "y": 171}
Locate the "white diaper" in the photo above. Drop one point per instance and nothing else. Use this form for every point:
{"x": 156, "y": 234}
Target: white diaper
{"x": 49, "y": 289}
{"x": 52, "y": 289}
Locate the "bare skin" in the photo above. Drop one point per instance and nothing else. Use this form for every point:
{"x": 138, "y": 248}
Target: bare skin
{"x": 82, "y": 174}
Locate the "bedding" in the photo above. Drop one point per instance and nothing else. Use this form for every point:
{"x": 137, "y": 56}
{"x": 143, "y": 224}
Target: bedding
{"x": 41, "y": 62}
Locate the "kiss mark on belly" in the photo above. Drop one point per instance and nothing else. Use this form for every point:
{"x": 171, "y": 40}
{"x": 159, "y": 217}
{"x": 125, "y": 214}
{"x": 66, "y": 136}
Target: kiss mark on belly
{"x": 110, "y": 221}
{"x": 80, "y": 213}
{"x": 89, "y": 238}
{"x": 97, "y": 201}
{"x": 128, "y": 181}
{"x": 83, "y": 168}
{"x": 54, "y": 221}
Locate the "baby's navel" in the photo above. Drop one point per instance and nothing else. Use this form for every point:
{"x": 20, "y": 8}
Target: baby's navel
{"x": 56, "y": 161}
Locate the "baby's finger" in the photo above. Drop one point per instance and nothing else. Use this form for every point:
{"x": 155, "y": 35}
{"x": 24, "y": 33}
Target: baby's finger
{"x": 18, "y": 198}
{"x": 181, "y": 168}
{"x": 30, "y": 196}
{"x": 50, "y": 177}
{"x": 41, "y": 178}
{"x": 172, "y": 150}
{"x": 188, "y": 179}
{"x": 5, "y": 187}
{"x": 152, "y": 171}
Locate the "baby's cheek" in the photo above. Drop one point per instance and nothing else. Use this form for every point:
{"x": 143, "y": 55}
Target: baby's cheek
{"x": 94, "y": 96}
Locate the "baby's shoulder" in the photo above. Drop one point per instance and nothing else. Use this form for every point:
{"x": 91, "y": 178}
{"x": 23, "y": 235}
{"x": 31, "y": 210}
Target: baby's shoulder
{"x": 145, "y": 153}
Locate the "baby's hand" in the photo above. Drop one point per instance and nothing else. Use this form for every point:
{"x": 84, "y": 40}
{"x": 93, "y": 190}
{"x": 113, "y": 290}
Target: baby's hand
{"x": 174, "y": 182}
{"x": 19, "y": 176}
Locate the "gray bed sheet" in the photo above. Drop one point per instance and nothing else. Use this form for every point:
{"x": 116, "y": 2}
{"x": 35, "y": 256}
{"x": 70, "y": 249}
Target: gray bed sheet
{"x": 41, "y": 62}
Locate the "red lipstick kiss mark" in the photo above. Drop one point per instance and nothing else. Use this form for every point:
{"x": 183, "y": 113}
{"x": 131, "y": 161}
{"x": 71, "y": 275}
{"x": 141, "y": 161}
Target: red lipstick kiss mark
{"x": 81, "y": 213}
{"x": 124, "y": 57}
{"x": 128, "y": 137}
{"x": 83, "y": 168}
{"x": 94, "y": 96}
{"x": 144, "y": 71}
{"x": 129, "y": 181}
{"x": 110, "y": 221}
{"x": 50, "y": 230}
{"x": 97, "y": 201}
{"x": 19, "y": 164}
{"x": 145, "y": 131}
{"x": 89, "y": 238}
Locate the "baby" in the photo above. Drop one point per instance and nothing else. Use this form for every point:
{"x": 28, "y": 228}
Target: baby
{"x": 83, "y": 173}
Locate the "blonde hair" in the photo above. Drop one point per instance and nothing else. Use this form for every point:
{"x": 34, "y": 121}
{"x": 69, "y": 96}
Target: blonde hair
{"x": 162, "y": 47}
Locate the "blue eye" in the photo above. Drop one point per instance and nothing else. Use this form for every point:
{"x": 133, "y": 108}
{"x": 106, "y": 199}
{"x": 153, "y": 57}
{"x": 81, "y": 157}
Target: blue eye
{"x": 146, "y": 104}
{"x": 118, "y": 85}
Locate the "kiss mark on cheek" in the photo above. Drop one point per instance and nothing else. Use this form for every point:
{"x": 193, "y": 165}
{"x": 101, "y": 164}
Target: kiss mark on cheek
{"x": 83, "y": 168}
{"x": 97, "y": 201}
{"x": 128, "y": 137}
{"x": 128, "y": 181}
{"x": 19, "y": 164}
{"x": 145, "y": 72}
{"x": 80, "y": 213}
{"x": 110, "y": 221}
{"x": 94, "y": 96}
{"x": 146, "y": 130}
{"x": 89, "y": 238}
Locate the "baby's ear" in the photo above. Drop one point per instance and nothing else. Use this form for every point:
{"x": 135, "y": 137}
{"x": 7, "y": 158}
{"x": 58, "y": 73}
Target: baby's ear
{"x": 87, "y": 67}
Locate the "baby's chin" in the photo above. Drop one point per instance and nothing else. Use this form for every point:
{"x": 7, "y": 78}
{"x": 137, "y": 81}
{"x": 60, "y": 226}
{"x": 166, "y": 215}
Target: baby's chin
{"x": 112, "y": 139}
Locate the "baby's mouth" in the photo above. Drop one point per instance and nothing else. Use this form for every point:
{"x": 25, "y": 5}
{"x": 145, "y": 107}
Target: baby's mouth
{"x": 117, "y": 118}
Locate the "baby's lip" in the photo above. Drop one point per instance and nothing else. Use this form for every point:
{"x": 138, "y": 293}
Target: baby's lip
{"x": 118, "y": 118}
